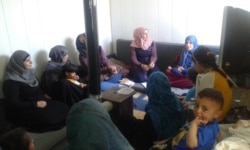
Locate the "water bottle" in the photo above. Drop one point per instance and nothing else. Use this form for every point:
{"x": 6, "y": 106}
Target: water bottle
{"x": 191, "y": 103}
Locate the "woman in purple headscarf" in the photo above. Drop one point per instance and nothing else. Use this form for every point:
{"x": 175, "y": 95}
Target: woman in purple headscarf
{"x": 177, "y": 73}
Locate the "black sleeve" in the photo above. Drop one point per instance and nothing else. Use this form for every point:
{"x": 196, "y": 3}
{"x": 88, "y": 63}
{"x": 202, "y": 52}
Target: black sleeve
{"x": 11, "y": 90}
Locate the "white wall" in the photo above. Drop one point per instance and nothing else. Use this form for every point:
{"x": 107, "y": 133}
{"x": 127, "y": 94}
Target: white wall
{"x": 171, "y": 20}
{"x": 38, "y": 25}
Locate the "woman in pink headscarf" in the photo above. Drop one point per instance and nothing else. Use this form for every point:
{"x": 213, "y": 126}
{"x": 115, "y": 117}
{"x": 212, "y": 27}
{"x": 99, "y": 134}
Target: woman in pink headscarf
{"x": 143, "y": 55}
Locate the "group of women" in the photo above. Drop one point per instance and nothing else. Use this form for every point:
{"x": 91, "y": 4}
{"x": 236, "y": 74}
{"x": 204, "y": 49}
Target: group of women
{"x": 45, "y": 108}
{"x": 192, "y": 56}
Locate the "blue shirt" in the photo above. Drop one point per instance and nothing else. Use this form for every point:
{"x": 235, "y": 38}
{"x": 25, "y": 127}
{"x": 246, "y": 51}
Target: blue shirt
{"x": 207, "y": 135}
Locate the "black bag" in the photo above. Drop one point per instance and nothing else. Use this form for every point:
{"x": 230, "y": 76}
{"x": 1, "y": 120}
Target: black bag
{"x": 237, "y": 113}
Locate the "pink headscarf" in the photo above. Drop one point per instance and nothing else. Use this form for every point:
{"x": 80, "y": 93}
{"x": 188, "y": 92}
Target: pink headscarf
{"x": 138, "y": 41}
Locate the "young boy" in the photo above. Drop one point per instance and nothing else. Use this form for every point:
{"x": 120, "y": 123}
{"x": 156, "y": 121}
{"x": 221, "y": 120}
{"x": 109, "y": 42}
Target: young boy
{"x": 203, "y": 130}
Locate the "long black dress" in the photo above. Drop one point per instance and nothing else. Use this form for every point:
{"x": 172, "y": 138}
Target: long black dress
{"x": 69, "y": 93}
{"x": 21, "y": 110}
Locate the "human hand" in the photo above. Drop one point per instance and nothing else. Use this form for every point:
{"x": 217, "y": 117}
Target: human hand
{"x": 200, "y": 120}
{"x": 151, "y": 65}
{"x": 184, "y": 103}
{"x": 113, "y": 69}
{"x": 41, "y": 104}
{"x": 47, "y": 96}
{"x": 82, "y": 85}
{"x": 144, "y": 67}
{"x": 180, "y": 68}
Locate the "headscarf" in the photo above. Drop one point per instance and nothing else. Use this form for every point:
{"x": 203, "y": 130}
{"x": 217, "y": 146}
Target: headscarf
{"x": 90, "y": 127}
{"x": 164, "y": 108}
{"x": 194, "y": 41}
{"x": 57, "y": 53}
{"x": 82, "y": 49}
{"x": 186, "y": 55}
{"x": 16, "y": 70}
{"x": 80, "y": 43}
{"x": 138, "y": 41}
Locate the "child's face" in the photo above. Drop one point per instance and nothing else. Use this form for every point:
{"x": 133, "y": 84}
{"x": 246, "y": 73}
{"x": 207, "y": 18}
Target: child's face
{"x": 71, "y": 75}
{"x": 207, "y": 109}
{"x": 189, "y": 45}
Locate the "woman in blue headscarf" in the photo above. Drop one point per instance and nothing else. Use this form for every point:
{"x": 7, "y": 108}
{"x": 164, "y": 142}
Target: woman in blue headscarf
{"x": 177, "y": 73}
{"x": 164, "y": 109}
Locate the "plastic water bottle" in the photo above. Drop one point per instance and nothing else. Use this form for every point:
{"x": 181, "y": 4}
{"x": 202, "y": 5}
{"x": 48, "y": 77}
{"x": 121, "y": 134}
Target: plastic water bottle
{"x": 191, "y": 103}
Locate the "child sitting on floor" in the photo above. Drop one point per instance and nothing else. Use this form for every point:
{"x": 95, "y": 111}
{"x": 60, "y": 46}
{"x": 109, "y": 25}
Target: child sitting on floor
{"x": 203, "y": 130}
{"x": 69, "y": 72}
{"x": 17, "y": 139}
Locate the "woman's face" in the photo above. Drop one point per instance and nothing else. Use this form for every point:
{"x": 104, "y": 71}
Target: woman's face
{"x": 82, "y": 38}
{"x": 65, "y": 58}
{"x": 189, "y": 45}
{"x": 27, "y": 63}
{"x": 145, "y": 35}
{"x": 197, "y": 66}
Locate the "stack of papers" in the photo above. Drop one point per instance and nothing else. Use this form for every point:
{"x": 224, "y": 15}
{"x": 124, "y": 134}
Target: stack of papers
{"x": 125, "y": 90}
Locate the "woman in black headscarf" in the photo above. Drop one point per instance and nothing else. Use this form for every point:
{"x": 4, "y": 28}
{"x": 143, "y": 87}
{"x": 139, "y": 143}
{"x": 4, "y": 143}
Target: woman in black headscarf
{"x": 25, "y": 103}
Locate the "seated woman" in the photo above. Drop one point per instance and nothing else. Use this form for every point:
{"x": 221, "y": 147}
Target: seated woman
{"x": 177, "y": 73}
{"x": 143, "y": 55}
{"x": 68, "y": 89}
{"x": 25, "y": 103}
{"x": 163, "y": 108}
{"x": 90, "y": 127}
{"x": 211, "y": 76}
{"x": 59, "y": 89}
{"x": 59, "y": 56}
{"x": 106, "y": 69}
{"x": 160, "y": 123}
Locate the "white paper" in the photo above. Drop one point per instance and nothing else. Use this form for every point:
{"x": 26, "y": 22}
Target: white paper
{"x": 179, "y": 91}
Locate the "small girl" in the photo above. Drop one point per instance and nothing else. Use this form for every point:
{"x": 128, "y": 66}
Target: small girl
{"x": 69, "y": 72}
